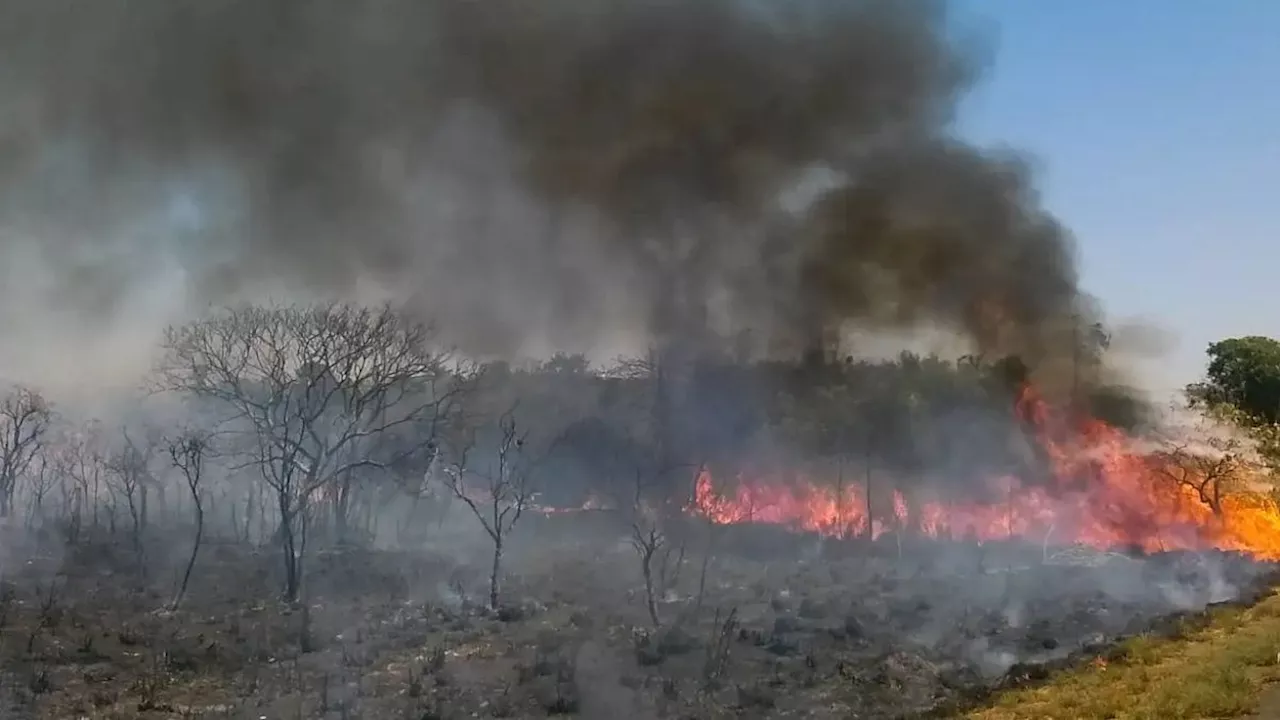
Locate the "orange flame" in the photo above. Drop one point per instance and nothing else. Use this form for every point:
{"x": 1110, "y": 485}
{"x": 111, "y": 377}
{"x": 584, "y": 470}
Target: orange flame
{"x": 1101, "y": 494}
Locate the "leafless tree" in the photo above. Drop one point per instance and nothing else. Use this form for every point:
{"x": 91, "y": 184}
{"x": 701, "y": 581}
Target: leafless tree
{"x": 655, "y": 501}
{"x": 1212, "y": 468}
{"x": 655, "y": 532}
{"x": 69, "y": 490}
{"x": 81, "y": 460}
{"x": 187, "y": 452}
{"x": 675, "y": 469}
{"x": 660, "y": 558}
{"x": 25, "y": 417}
{"x": 716, "y": 658}
{"x": 129, "y": 470}
{"x": 43, "y": 473}
{"x": 308, "y": 392}
{"x": 505, "y": 487}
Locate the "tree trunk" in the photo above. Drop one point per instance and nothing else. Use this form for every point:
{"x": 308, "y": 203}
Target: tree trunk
{"x": 142, "y": 505}
{"x": 161, "y": 505}
{"x": 372, "y": 518}
{"x": 6, "y": 498}
{"x": 248, "y": 516}
{"x": 195, "y": 550}
{"x": 494, "y": 572}
{"x": 646, "y": 567}
{"x": 342, "y": 511}
{"x": 288, "y": 546}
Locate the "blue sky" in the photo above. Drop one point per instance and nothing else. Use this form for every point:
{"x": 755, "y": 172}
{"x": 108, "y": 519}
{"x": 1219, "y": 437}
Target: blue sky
{"x": 1155, "y": 125}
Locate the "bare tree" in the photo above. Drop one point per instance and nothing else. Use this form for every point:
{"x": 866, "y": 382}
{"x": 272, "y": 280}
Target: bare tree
{"x": 130, "y": 471}
{"x": 43, "y": 473}
{"x": 82, "y": 461}
{"x": 660, "y": 559}
{"x": 655, "y": 502}
{"x": 70, "y": 490}
{"x": 307, "y": 393}
{"x": 648, "y": 538}
{"x": 24, "y": 419}
{"x": 1211, "y": 468}
{"x": 187, "y": 453}
{"x": 505, "y": 491}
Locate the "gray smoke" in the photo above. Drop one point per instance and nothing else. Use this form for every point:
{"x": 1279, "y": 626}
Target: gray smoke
{"x": 530, "y": 174}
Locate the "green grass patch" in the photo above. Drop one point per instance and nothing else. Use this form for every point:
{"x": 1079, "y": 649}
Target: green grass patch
{"x": 1217, "y": 670}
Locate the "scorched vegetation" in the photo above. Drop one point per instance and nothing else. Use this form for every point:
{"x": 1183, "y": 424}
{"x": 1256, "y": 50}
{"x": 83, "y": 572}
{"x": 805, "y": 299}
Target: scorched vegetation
{"x": 321, "y": 511}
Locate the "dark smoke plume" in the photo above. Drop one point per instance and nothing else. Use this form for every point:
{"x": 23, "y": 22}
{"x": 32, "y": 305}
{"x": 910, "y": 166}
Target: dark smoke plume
{"x": 941, "y": 231}
{"x": 553, "y": 169}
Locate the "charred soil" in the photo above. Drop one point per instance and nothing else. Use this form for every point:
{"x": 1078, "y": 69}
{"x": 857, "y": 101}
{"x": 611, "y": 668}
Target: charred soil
{"x": 770, "y": 624}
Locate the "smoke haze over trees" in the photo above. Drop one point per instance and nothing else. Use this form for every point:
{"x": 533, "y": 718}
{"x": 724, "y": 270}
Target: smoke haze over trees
{"x": 352, "y": 342}
{"x": 558, "y": 175}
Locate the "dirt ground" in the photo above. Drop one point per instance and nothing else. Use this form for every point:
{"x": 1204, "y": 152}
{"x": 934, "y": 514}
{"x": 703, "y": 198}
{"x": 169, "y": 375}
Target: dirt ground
{"x": 777, "y": 627}
{"x": 1269, "y": 708}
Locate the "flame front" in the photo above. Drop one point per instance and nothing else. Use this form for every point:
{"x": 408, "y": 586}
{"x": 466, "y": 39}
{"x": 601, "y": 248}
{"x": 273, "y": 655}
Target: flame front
{"x": 1101, "y": 493}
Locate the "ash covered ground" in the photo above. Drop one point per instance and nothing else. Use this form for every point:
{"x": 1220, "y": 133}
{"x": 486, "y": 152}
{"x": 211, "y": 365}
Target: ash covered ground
{"x": 768, "y": 624}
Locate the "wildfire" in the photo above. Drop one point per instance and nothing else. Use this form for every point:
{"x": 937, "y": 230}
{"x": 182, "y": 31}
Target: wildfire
{"x": 1101, "y": 493}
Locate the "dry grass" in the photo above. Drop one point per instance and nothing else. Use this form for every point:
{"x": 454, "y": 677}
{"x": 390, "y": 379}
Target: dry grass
{"x": 1220, "y": 670}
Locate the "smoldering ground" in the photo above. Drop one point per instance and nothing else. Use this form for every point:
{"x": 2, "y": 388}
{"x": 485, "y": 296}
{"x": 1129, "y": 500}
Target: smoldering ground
{"x": 549, "y": 175}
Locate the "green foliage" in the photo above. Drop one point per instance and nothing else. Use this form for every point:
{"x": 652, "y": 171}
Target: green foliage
{"x": 1244, "y": 373}
{"x": 1242, "y": 388}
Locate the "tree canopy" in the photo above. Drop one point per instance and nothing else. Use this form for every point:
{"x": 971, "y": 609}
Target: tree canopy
{"x": 1243, "y": 372}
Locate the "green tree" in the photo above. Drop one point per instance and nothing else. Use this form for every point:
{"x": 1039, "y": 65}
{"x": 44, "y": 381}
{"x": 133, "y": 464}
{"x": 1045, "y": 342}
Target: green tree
{"x": 1244, "y": 373}
{"x": 1242, "y": 388}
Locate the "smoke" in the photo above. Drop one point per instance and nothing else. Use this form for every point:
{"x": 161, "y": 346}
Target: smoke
{"x": 941, "y": 231}
{"x": 532, "y": 175}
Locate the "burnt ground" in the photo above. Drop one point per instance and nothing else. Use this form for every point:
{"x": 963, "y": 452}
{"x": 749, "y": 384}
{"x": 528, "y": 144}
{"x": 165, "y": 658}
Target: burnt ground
{"x": 787, "y": 626}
